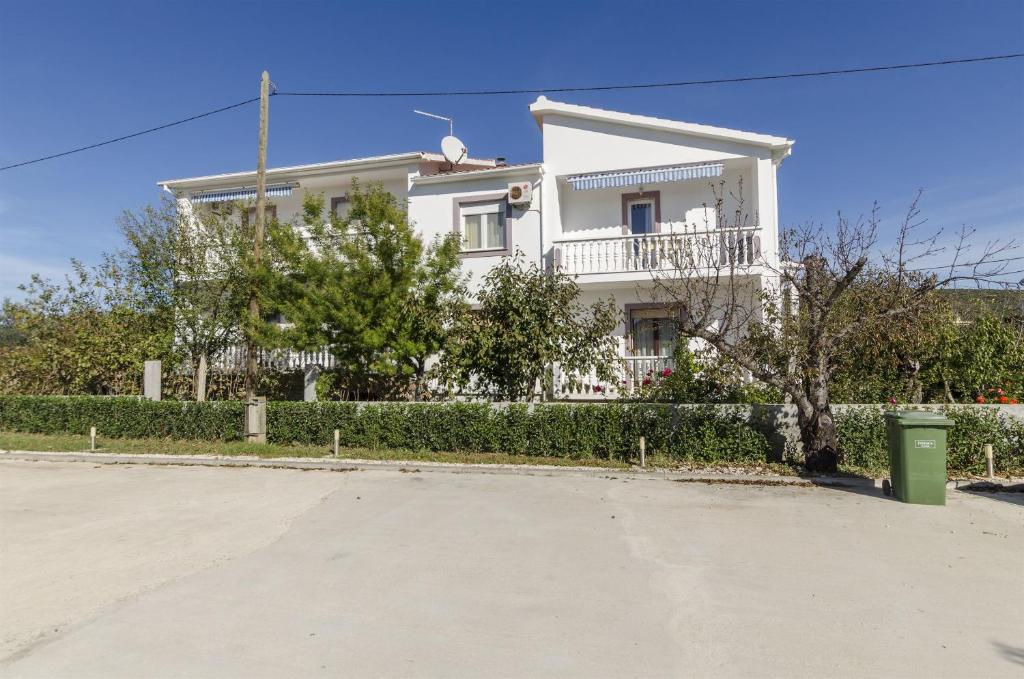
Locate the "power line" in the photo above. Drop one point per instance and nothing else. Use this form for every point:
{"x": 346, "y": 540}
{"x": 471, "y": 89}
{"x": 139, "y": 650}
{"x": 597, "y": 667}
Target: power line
{"x": 682, "y": 83}
{"x": 539, "y": 90}
{"x": 129, "y": 136}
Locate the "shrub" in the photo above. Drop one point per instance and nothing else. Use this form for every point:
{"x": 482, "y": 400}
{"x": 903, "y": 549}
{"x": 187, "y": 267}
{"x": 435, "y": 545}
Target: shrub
{"x": 122, "y": 417}
{"x": 862, "y": 440}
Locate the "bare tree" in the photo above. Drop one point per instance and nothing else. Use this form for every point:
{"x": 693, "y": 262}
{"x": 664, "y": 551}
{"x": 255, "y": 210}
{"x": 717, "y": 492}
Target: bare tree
{"x": 785, "y": 324}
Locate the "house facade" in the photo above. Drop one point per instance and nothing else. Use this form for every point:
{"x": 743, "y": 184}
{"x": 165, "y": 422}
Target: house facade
{"x": 615, "y": 198}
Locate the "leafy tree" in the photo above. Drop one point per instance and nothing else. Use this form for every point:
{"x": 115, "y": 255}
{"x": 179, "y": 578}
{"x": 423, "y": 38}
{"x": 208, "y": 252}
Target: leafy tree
{"x": 833, "y": 286}
{"x": 366, "y": 287}
{"x": 527, "y": 320}
{"x": 87, "y": 335}
{"x": 191, "y": 263}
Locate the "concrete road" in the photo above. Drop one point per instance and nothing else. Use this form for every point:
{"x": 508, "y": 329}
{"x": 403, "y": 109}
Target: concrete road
{"x": 131, "y": 571}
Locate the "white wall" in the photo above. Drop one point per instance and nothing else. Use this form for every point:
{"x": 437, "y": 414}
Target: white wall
{"x": 432, "y": 212}
{"x": 573, "y": 145}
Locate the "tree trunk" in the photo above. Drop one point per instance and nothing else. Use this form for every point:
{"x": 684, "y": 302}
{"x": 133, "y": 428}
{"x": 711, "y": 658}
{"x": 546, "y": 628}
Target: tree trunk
{"x": 199, "y": 381}
{"x": 819, "y": 437}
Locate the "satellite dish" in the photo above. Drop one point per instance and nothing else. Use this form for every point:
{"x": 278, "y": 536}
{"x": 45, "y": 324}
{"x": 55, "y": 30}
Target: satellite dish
{"x": 453, "y": 149}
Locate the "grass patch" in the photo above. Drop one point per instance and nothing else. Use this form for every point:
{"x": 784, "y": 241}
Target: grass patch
{"x": 72, "y": 443}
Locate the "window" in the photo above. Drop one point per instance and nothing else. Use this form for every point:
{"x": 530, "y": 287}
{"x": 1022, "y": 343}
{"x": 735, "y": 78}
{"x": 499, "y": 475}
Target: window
{"x": 339, "y": 206}
{"x": 653, "y": 332}
{"x": 483, "y": 226}
{"x": 269, "y": 214}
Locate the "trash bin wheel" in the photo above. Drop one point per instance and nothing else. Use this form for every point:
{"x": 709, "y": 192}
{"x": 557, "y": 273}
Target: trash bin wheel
{"x": 886, "y": 487}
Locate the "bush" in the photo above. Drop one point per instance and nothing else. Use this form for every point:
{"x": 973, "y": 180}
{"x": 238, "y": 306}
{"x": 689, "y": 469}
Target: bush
{"x": 122, "y": 417}
{"x": 862, "y": 440}
{"x": 607, "y": 430}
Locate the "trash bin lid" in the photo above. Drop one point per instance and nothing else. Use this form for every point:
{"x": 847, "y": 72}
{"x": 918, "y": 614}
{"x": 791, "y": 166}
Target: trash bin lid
{"x": 919, "y": 417}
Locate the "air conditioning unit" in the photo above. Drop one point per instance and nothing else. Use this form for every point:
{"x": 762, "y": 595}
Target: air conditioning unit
{"x": 520, "y": 193}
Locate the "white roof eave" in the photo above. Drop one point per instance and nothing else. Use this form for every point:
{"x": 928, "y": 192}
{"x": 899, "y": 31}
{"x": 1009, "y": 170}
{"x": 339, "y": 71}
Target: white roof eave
{"x": 544, "y": 106}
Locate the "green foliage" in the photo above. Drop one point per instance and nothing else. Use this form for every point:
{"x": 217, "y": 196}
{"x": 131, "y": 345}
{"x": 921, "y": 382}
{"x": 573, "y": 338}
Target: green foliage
{"x": 702, "y": 378}
{"x": 90, "y": 334}
{"x": 366, "y": 287}
{"x": 122, "y": 417}
{"x": 193, "y": 263}
{"x": 862, "y": 440}
{"x": 585, "y": 431}
{"x": 527, "y": 320}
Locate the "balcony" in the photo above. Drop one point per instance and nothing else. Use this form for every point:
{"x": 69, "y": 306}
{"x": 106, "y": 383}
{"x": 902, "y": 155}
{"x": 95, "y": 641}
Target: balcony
{"x": 691, "y": 250}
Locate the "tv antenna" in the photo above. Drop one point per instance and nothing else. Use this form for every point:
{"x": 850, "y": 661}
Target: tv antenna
{"x": 451, "y": 123}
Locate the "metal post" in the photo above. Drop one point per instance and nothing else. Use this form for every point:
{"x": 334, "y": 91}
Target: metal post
{"x": 337, "y": 437}
{"x": 989, "y": 461}
{"x": 92, "y": 439}
{"x": 643, "y": 451}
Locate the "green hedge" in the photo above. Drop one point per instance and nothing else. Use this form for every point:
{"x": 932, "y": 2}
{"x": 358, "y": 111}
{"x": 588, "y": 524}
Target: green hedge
{"x": 605, "y": 430}
{"x": 862, "y": 441}
{"x": 122, "y": 417}
{"x": 579, "y": 431}
{"x": 574, "y": 431}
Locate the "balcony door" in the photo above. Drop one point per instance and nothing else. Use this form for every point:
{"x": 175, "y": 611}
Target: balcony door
{"x": 641, "y": 216}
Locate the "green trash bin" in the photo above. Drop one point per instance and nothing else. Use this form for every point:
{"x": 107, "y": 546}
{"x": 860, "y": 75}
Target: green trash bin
{"x": 917, "y": 456}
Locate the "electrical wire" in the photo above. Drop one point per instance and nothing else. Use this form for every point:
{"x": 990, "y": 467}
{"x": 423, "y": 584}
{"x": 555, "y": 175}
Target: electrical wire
{"x": 130, "y": 136}
{"x": 538, "y": 90}
{"x": 639, "y": 86}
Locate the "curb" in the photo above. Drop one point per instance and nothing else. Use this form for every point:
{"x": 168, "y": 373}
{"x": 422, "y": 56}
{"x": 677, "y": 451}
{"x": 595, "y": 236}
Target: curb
{"x": 328, "y": 464}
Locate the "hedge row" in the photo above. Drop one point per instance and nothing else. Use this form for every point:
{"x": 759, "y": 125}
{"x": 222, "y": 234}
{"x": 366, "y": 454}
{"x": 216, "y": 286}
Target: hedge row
{"x": 606, "y": 430}
{"x": 862, "y": 440}
{"x": 122, "y": 417}
{"x": 572, "y": 431}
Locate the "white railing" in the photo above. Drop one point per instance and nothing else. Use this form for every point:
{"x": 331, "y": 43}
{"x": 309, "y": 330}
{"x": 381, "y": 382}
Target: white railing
{"x": 275, "y": 359}
{"x": 685, "y": 250}
{"x": 629, "y": 376}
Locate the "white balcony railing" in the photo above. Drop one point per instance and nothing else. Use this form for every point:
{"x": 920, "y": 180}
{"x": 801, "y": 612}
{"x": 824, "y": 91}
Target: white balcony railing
{"x": 630, "y": 374}
{"x": 685, "y": 250}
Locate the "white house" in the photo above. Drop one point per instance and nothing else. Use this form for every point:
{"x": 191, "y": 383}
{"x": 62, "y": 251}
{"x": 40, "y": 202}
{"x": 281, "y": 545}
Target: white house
{"x": 613, "y": 194}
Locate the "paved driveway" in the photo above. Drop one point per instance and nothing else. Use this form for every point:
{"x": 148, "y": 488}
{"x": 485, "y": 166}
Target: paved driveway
{"x": 130, "y": 570}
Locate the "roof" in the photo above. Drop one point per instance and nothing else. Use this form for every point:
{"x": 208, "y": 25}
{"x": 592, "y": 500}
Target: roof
{"x": 296, "y": 171}
{"x": 462, "y": 175}
{"x": 544, "y": 106}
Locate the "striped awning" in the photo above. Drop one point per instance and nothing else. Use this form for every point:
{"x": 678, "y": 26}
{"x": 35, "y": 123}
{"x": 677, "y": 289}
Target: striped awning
{"x": 241, "y": 193}
{"x": 652, "y": 175}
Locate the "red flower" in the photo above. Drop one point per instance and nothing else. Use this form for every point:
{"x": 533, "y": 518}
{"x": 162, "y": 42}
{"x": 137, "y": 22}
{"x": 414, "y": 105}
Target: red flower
{"x": 1013, "y": 401}
{"x": 892, "y": 400}
{"x": 666, "y": 372}
{"x": 980, "y": 399}
{"x": 597, "y": 389}
{"x": 647, "y": 380}
{"x": 1003, "y": 399}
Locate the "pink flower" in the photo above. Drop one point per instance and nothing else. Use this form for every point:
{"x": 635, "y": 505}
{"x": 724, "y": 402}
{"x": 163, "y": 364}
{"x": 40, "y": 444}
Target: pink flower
{"x": 598, "y": 389}
{"x": 666, "y": 372}
{"x": 892, "y": 400}
{"x": 647, "y": 380}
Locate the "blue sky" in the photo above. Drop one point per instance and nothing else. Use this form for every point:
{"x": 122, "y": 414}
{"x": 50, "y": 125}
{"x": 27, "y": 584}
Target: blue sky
{"x": 74, "y": 73}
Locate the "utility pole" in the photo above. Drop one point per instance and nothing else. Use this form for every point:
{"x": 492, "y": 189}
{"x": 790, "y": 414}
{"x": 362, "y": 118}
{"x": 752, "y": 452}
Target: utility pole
{"x": 254, "y": 432}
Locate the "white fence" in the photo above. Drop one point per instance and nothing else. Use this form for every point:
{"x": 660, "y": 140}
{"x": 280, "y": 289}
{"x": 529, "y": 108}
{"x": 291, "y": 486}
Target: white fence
{"x": 630, "y": 374}
{"x": 660, "y": 251}
{"x": 274, "y": 359}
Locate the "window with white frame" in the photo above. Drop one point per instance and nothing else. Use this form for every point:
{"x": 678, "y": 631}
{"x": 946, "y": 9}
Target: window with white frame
{"x": 483, "y": 226}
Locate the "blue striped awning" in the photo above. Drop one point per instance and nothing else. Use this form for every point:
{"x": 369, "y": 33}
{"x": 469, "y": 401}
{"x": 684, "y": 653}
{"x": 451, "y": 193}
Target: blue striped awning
{"x": 241, "y": 193}
{"x": 653, "y": 175}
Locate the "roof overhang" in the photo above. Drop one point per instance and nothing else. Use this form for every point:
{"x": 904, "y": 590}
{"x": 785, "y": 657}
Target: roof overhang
{"x": 544, "y": 106}
{"x": 531, "y": 169}
{"x": 296, "y": 172}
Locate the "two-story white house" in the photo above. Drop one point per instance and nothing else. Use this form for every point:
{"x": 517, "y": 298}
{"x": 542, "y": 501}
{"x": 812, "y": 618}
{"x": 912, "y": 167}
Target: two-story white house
{"x": 613, "y": 194}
